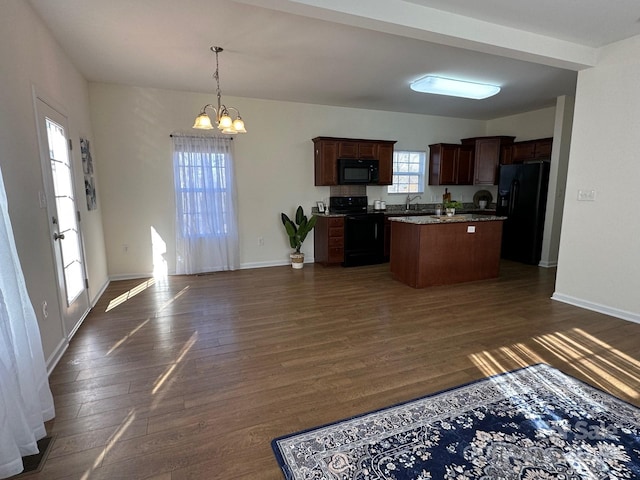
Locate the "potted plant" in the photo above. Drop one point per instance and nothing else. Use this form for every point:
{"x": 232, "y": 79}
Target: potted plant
{"x": 297, "y": 230}
{"x": 450, "y": 207}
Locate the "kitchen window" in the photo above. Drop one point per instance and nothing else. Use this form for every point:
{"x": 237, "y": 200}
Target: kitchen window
{"x": 408, "y": 172}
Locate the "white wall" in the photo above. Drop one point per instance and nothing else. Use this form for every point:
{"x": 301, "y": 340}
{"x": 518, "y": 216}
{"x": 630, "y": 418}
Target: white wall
{"x": 599, "y": 247}
{"x": 31, "y": 58}
{"x": 274, "y": 165}
{"x": 525, "y": 126}
{"x": 557, "y": 181}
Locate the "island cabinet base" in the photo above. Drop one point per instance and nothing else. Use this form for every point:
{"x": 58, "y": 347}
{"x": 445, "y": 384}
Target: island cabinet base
{"x": 445, "y": 253}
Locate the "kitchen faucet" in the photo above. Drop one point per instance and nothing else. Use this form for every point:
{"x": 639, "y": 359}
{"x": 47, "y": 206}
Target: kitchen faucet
{"x": 410, "y": 199}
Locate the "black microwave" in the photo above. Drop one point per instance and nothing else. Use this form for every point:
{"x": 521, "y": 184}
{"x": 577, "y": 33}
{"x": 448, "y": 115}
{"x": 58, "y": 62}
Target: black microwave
{"x": 353, "y": 171}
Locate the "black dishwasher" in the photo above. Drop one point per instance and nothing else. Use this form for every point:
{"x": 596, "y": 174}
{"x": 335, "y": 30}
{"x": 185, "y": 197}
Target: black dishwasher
{"x": 363, "y": 239}
{"x": 363, "y": 232}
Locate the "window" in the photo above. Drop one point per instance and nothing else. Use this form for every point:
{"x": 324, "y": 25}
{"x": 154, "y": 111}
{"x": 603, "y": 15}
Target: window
{"x": 408, "y": 172}
{"x": 202, "y": 185}
{"x": 206, "y": 219}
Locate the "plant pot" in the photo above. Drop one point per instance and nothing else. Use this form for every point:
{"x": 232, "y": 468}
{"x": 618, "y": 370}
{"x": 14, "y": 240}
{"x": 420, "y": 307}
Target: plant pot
{"x": 450, "y": 212}
{"x": 297, "y": 260}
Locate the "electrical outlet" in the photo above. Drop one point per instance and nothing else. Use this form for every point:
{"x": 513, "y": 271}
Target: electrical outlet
{"x": 261, "y": 241}
{"x": 125, "y": 248}
{"x": 586, "y": 195}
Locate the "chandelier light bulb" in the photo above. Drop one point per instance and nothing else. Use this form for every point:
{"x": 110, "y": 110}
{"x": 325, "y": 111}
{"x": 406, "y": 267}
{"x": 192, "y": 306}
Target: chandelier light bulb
{"x": 225, "y": 121}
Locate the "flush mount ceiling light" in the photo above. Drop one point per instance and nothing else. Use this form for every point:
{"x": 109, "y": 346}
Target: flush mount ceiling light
{"x": 223, "y": 119}
{"x": 454, "y": 88}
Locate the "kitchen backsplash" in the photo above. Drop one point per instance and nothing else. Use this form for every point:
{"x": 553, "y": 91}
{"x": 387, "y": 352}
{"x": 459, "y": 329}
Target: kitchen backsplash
{"x": 347, "y": 190}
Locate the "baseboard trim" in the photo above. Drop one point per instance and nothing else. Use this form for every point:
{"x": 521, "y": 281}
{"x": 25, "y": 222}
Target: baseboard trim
{"x": 129, "y": 276}
{"x": 64, "y": 343}
{"x": 243, "y": 266}
{"x": 95, "y": 299}
{"x": 55, "y": 357}
{"x": 596, "y": 307}
{"x": 545, "y": 264}
{"x": 270, "y": 263}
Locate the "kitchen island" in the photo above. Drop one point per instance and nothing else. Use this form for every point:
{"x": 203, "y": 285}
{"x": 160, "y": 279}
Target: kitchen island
{"x": 440, "y": 250}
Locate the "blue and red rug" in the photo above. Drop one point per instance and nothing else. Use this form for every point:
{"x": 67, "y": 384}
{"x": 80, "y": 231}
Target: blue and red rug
{"x": 535, "y": 423}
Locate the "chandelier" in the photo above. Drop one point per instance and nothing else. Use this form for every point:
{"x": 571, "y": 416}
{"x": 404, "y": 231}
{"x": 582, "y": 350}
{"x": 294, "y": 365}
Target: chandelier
{"x": 223, "y": 119}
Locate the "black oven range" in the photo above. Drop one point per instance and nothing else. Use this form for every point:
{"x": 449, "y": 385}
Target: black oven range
{"x": 363, "y": 231}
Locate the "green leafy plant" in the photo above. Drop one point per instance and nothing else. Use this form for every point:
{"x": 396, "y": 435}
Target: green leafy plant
{"x": 453, "y": 204}
{"x": 299, "y": 229}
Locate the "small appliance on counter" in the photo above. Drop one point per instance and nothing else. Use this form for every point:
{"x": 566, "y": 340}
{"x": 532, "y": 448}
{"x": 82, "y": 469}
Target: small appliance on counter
{"x": 363, "y": 232}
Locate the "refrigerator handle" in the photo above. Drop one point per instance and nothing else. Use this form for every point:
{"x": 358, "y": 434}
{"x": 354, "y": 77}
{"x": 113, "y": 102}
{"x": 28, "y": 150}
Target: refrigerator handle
{"x": 513, "y": 198}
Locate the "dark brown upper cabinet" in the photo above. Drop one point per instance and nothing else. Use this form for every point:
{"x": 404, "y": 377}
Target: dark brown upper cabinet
{"x": 450, "y": 164}
{"x": 327, "y": 151}
{"x": 488, "y": 156}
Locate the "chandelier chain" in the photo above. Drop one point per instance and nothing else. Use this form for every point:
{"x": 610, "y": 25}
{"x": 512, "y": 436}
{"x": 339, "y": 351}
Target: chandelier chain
{"x": 216, "y": 75}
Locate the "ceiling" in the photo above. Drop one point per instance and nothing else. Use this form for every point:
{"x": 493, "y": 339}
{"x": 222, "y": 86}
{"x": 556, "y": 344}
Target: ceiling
{"x": 345, "y": 53}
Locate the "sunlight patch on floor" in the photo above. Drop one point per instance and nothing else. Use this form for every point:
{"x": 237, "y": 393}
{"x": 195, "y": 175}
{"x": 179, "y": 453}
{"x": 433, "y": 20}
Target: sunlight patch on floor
{"x": 127, "y": 337}
{"x": 173, "y": 299}
{"x": 132, "y": 293}
{"x": 110, "y": 443}
{"x": 580, "y": 350}
{"x": 167, "y": 374}
{"x": 119, "y": 300}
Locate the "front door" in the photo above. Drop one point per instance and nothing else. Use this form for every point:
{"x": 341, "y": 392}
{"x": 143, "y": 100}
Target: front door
{"x": 66, "y": 237}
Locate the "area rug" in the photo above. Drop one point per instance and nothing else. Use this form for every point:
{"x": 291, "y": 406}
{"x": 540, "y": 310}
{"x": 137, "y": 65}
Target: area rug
{"x": 534, "y": 423}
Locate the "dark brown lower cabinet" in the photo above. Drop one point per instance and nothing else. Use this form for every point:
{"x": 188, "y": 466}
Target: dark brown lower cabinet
{"x": 424, "y": 255}
{"x": 328, "y": 238}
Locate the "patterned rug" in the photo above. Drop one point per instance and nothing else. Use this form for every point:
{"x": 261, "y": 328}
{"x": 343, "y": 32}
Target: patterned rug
{"x": 535, "y": 423}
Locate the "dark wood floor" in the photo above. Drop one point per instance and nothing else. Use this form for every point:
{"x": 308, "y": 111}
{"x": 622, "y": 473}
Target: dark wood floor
{"x": 191, "y": 377}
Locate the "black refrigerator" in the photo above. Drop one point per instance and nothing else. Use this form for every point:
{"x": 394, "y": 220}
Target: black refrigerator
{"x": 522, "y": 198}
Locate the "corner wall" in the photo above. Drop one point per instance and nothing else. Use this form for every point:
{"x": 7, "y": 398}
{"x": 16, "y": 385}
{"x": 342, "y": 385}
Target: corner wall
{"x": 599, "y": 252}
{"x": 31, "y": 58}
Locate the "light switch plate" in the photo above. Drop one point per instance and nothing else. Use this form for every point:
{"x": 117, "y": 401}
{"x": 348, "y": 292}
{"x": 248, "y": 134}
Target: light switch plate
{"x": 586, "y": 195}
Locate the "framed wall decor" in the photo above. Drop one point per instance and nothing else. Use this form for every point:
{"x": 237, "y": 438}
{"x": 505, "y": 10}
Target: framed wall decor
{"x": 87, "y": 169}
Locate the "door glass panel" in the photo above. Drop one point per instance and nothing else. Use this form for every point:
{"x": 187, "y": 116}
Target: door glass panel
{"x": 65, "y": 206}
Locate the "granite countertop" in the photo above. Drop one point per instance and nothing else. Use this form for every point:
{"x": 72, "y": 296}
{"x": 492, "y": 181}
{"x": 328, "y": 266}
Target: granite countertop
{"x": 433, "y": 219}
{"x": 415, "y": 210}
{"x": 411, "y": 213}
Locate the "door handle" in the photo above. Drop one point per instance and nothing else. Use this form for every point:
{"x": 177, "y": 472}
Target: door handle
{"x": 57, "y": 236}
{"x": 515, "y": 192}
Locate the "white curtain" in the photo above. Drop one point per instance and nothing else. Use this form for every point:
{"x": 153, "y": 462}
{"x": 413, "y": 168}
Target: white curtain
{"x": 206, "y": 206}
{"x": 25, "y": 398}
